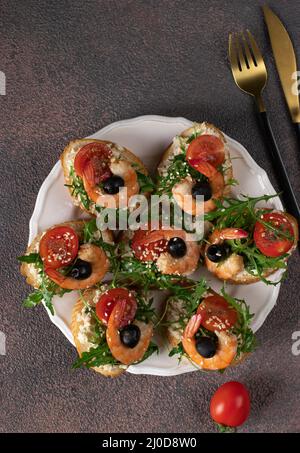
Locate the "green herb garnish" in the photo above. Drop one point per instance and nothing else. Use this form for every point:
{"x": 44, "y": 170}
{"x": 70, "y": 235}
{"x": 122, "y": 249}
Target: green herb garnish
{"x": 145, "y": 182}
{"x": 243, "y": 213}
{"x": 47, "y": 289}
{"x": 78, "y": 190}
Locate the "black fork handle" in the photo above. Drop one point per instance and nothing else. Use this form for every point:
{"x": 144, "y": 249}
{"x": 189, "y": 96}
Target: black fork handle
{"x": 297, "y": 127}
{"x": 288, "y": 196}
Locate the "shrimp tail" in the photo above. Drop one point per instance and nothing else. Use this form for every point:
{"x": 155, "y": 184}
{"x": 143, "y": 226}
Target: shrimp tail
{"x": 207, "y": 169}
{"x": 233, "y": 233}
{"x": 192, "y": 326}
{"x": 119, "y": 312}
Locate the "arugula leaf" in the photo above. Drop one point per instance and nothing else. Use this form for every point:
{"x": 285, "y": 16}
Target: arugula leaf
{"x": 89, "y": 230}
{"x": 239, "y": 213}
{"x": 232, "y": 182}
{"x": 78, "y": 190}
{"x": 246, "y": 338}
{"x": 145, "y": 182}
{"x": 98, "y": 356}
{"x": 94, "y": 236}
{"x": 144, "y": 312}
{"x": 152, "y": 348}
{"x": 132, "y": 271}
{"x": 256, "y": 263}
{"x": 194, "y": 135}
{"x": 177, "y": 350}
{"x": 33, "y": 299}
{"x": 30, "y": 259}
{"x": 101, "y": 355}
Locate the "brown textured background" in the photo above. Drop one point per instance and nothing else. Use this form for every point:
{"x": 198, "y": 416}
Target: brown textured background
{"x": 73, "y": 67}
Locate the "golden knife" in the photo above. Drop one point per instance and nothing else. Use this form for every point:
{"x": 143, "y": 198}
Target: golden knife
{"x": 286, "y": 64}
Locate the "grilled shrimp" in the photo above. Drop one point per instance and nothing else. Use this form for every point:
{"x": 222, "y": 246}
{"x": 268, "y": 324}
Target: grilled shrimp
{"x": 232, "y": 265}
{"x": 226, "y": 351}
{"x": 91, "y": 254}
{"x": 166, "y": 263}
{"x": 131, "y": 187}
{"x": 124, "y": 354}
{"x": 182, "y": 191}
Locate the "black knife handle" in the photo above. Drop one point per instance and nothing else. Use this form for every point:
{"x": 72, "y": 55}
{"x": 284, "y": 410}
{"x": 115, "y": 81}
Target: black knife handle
{"x": 288, "y": 196}
{"x": 297, "y": 127}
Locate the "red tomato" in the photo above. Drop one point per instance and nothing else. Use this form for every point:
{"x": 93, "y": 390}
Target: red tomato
{"x": 267, "y": 241}
{"x": 230, "y": 405}
{"x": 59, "y": 247}
{"x": 216, "y": 313}
{"x": 146, "y": 250}
{"x": 205, "y": 148}
{"x": 108, "y": 300}
{"x": 92, "y": 162}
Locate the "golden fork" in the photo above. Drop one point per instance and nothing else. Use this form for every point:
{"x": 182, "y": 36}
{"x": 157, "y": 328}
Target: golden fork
{"x": 250, "y": 75}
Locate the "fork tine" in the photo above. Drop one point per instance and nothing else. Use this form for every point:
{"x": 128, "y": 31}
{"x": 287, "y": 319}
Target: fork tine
{"x": 255, "y": 49}
{"x": 232, "y": 53}
{"x": 249, "y": 57}
{"x": 241, "y": 57}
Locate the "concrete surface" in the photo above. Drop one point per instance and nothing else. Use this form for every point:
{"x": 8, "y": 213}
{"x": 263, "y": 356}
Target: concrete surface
{"x": 71, "y": 68}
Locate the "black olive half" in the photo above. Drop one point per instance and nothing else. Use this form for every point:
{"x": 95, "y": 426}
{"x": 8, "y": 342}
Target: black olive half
{"x": 81, "y": 270}
{"x": 113, "y": 184}
{"x": 218, "y": 252}
{"x": 202, "y": 188}
{"x": 130, "y": 335}
{"x": 206, "y": 346}
{"x": 177, "y": 247}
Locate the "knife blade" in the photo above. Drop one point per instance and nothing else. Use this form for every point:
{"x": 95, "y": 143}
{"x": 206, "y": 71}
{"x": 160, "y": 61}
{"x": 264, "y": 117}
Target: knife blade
{"x": 285, "y": 60}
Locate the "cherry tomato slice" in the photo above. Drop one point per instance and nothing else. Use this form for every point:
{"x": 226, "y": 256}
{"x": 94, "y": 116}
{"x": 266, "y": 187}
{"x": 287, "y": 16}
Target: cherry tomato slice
{"x": 230, "y": 405}
{"x": 146, "y": 250}
{"x": 92, "y": 162}
{"x": 205, "y": 148}
{"x": 217, "y": 314}
{"x": 267, "y": 241}
{"x": 108, "y": 300}
{"x": 59, "y": 247}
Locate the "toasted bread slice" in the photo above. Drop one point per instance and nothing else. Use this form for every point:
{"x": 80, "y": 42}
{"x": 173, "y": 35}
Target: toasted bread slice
{"x": 241, "y": 276}
{"x": 68, "y": 156}
{"x": 76, "y": 325}
{"x": 31, "y": 272}
{"x": 205, "y": 128}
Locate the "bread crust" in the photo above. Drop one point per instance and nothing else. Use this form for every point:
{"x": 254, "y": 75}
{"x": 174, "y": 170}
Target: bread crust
{"x": 114, "y": 370}
{"x": 187, "y": 132}
{"x": 245, "y": 278}
{"x": 27, "y": 270}
{"x": 78, "y": 144}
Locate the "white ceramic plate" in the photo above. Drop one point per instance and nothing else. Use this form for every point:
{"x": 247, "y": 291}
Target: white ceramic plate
{"x": 148, "y": 136}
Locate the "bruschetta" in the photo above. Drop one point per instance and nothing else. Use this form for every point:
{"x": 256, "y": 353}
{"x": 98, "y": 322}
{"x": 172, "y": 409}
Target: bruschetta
{"x": 112, "y": 329}
{"x": 250, "y": 245}
{"x": 196, "y": 163}
{"x": 211, "y": 330}
{"x": 169, "y": 251}
{"x": 65, "y": 257}
{"x": 101, "y": 174}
